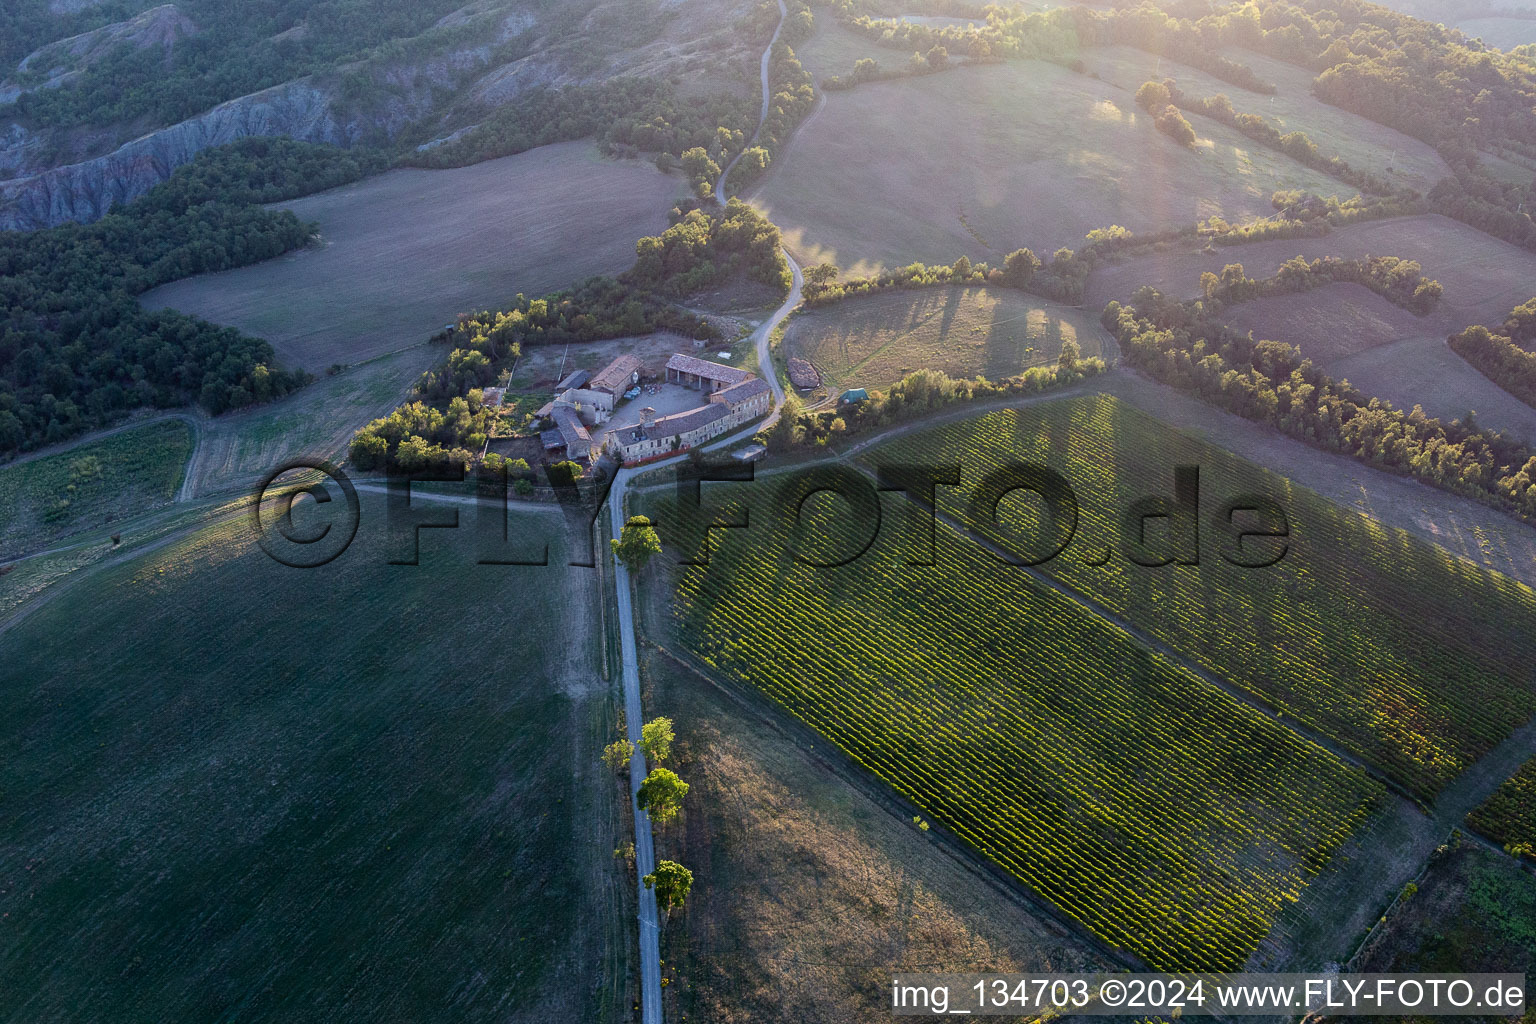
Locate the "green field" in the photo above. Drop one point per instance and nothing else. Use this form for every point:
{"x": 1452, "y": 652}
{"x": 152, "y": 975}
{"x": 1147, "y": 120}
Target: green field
{"x": 405, "y": 252}
{"x": 91, "y": 485}
{"x": 995, "y": 333}
{"x": 1415, "y": 661}
{"x": 1172, "y": 820}
{"x": 1508, "y": 817}
{"x": 234, "y": 790}
{"x": 982, "y": 160}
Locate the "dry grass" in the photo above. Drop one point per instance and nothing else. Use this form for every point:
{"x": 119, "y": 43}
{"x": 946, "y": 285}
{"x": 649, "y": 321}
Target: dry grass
{"x": 1504, "y": 33}
{"x": 406, "y": 251}
{"x": 983, "y": 160}
{"x": 1364, "y": 144}
{"x": 965, "y": 332}
{"x": 1484, "y": 278}
{"x": 1328, "y": 324}
{"x": 807, "y": 893}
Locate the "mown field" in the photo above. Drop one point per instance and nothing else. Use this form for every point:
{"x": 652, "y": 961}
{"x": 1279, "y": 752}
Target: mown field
{"x": 1402, "y": 159}
{"x": 1508, "y": 817}
{"x": 983, "y": 160}
{"x": 1329, "y": 323}
{"x": 405, "y": 252}
{"x": 1385, "y": 351}
{"x": 995, "y": 333}
{"x": 1169, "y": 818}
{"x": 238, "y": 790}
{"x": 91, "y": 485}
{"x": 1416, "y": 662}
{"x": 1424, "y": 370}
{"x": 1484, "y": 278}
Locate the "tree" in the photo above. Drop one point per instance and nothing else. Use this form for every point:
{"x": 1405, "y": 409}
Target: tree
{"x": 616, "y": 755}
{"x": 1153, "y": 97}
{"x": 1019, "y": 268}
{"x": 564, "y": 474}
{"x": 672, "y": 883}
{"x": 656, "y": 738}
{"x": 937, "y": 57}
{"x": 1069, "y": 356}
{"x": 637, "y": 543}
{"x": 661, "y": 795}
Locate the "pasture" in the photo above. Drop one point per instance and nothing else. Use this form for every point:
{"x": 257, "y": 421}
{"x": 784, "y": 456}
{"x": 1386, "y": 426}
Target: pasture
{"x": 91, "y": 485}
{"x": 363, "y": 791}
{"x": 402, "y": 253}
{"x": 982, "y": 160}
{"x": 1366, "y": 145}
{"x": 1048, "y": 740}
{"x": 1484, "y": 277}
{"x": 1413, "y": 661}
{"x": 1386, "y": 352}
{"x": 874, "y": 341}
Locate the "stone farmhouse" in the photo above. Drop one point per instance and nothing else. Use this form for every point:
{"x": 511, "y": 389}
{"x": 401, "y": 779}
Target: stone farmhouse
{"x": 735, "y": 397}
{"x": 593, "y": 400}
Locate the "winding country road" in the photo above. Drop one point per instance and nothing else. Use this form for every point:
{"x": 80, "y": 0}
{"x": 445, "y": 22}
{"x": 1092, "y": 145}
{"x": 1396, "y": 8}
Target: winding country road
{"x": 645, "y": 848}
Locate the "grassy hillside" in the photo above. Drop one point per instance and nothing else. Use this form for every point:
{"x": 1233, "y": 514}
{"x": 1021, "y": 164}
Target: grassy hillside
{"x": 354, "y": 792}
{"x": 983, "y": 160}
{"x": 91, "y": 485}
{"x": 1414, "y": 661}
{"x": 405, "y": 252}
{"x": 1170, "y": 819}
{"x": 965, "y": 332}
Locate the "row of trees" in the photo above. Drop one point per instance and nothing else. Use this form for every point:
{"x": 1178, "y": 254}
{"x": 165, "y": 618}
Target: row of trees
{"x": 918, "y": 394}
{"x": 1297, "y": 145}
{"x": 1183, "y": 345}
{"x": 1397, "y": 280}
{"x": 76, "y": 348}
{"x": 661, "y": 795}
{"x": 625, "y": 115}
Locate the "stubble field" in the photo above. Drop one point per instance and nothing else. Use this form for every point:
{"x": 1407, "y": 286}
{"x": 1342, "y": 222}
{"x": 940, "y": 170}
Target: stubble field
{"x": 405, "y": 252}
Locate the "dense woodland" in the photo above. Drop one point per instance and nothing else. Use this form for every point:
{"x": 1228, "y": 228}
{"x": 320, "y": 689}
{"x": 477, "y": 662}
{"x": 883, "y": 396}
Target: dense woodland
{"x": 77, "y": 351}
{"x": 231, "y": 49}
{"x": 1184, "y": 345}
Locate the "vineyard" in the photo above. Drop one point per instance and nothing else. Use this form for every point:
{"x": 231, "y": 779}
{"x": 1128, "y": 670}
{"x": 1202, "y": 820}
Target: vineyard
{"x": 1509, "y": 816}
{"x": 1417, "y": 662}
{"x": 1170, "y": 819}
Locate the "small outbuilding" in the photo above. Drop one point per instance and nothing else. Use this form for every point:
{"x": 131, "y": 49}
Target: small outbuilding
{"x": 853, "y": 396}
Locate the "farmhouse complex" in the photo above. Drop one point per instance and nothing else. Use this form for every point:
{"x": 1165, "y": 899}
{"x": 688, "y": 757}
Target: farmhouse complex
{"x": 734, "y": 397}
